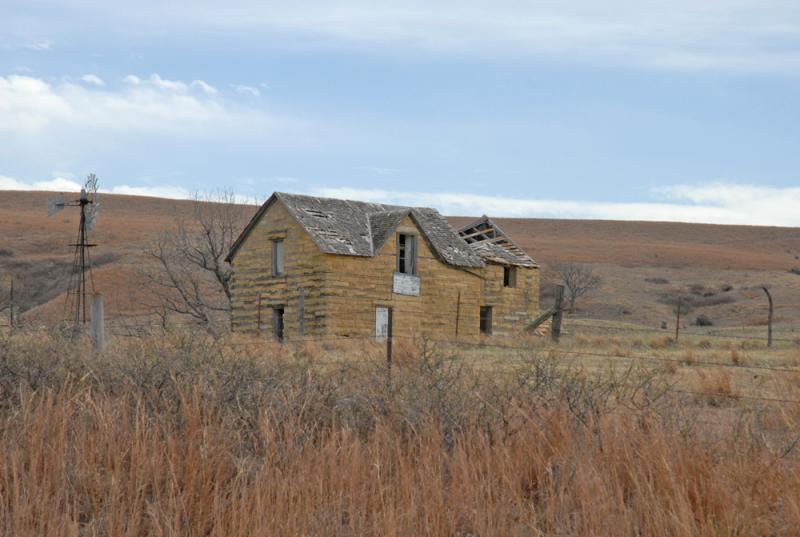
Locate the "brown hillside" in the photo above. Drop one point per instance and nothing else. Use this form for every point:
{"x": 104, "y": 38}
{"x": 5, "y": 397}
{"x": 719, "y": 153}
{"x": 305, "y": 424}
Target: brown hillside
{"x": 625, "y": 254}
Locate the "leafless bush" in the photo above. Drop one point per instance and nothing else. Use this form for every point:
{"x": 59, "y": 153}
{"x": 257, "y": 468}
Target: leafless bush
{"x": 184, "y": 434}
{"x": 433, "y": 384}
{"x": 192, "y": 277}
{"x": 577, "y": 279}
{"x": 703, "y": 320}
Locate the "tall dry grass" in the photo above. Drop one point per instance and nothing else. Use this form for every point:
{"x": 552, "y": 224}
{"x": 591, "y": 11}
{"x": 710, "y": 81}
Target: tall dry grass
{"x": 187, "y": 437}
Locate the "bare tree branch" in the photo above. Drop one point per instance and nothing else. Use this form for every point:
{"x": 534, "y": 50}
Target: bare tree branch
{"x": 577, "y": 279}
{"x": 192, "y": 277}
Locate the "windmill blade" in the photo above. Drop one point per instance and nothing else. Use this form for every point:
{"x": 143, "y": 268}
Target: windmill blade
{"x": 54, "y": 205}
{"x": 91, "y": 220}
{"x": 91, "y": 184}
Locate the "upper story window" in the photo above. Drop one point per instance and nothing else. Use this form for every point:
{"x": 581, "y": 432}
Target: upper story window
{"x": 406, "y": 253}
{"x": 277, "y": 257}
{"x": 509, "y": 276}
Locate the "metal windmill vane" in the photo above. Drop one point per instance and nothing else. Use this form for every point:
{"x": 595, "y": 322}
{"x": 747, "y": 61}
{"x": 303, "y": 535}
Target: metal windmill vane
{"x": 76, "y": 300}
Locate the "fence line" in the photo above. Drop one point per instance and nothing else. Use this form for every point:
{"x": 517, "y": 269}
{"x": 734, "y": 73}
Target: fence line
{"x": 522, "y": 361}
{"x": 683, "y": 332}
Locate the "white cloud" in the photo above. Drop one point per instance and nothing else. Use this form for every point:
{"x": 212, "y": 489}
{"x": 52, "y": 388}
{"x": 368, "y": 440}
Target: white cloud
{"x": 156, "y": 81}
{"x": 93, "y": 79}
{"x": 62, "y": 184}
{"x": 30, "y": 106}
{"x": 716, "y": 203}
{"x": 204, "y": 86}
{"x": 170, "y": 85}
{"x": 713, "y": 203}
{"x": 246, "y": 90}
{"x": 680, "y": 34}
{"x": 58, "y": 184}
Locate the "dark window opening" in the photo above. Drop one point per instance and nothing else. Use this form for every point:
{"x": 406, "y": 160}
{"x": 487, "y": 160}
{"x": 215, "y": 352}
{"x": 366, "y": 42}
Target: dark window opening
{"x": 277, "y": 322}
{"x": 509, "y": 276}
{"x": 406, "y": 253}
{"x": 486, "y": 319}
{"x": 277, "y": 257}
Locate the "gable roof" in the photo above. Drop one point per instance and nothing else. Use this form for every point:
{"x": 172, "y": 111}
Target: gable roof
{"x": 357, "y": 228}
{"x": 491, "y": 243}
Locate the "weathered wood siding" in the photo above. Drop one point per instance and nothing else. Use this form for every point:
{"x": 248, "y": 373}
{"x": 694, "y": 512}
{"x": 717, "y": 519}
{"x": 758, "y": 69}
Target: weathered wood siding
{"x": 512, "y": 307}
{"x": 303, "y": 275}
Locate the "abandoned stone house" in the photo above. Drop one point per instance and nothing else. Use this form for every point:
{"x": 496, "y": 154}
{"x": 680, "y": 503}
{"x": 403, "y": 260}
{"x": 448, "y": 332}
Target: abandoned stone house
{"x": 307, "y": 266}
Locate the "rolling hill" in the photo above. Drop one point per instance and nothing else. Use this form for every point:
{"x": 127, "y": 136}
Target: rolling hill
{"x": 639, "y": 262}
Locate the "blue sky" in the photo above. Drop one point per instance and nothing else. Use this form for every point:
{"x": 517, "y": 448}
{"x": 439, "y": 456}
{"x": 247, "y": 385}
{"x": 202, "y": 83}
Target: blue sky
{"x": 678, "y": 110}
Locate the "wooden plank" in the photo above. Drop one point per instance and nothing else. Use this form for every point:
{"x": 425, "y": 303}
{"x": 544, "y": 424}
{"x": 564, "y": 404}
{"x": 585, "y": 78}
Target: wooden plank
{"x": 481, "y": 232}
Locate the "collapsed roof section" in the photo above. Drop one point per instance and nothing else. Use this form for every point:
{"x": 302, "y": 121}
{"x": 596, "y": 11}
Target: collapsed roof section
{"x": 492, "y": 244}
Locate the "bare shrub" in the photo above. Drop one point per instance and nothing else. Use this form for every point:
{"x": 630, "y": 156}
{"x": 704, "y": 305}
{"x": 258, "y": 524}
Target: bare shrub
{"x": 737, "y": 358}
{"x": 662, "y": 342}
{"x": 704, "y": 344}
{"x": 577, "y": 279}
{"x": 717, "y": 386}
{"x": 192, "y": 277}
{"x": 703, "y": 320}
{"x": 184, "y": 434}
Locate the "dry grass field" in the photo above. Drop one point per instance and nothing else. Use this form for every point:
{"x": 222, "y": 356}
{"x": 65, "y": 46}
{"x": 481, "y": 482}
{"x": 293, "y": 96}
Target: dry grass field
{"x": 619, "y": 429}
{"x": 639, "y": 262}
{"x": 177, "y": 434}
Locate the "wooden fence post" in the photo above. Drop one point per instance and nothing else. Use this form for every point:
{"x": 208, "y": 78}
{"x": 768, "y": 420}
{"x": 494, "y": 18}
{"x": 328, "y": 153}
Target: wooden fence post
{"x": 769, "y": 316}
{"x": 458, "y": 311}
{"x": 258, "y": 316}
{"x": 11, "y": 305}
{"x": 555, "y": 327}
{"x": 98, "y": 324}
{"x": 678, "y": 320}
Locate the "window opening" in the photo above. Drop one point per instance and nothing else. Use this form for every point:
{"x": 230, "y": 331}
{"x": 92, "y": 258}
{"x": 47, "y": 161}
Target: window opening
{"x": 406, "y": 253}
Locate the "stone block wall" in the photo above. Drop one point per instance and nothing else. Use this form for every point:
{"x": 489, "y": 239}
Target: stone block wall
{"x": 340, "y": 294}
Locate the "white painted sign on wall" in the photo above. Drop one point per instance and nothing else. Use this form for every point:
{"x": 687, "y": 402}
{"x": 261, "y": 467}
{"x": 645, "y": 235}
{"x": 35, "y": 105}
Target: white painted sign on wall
{"x": 405, "y": 284}
{"x": 381, "y": 322}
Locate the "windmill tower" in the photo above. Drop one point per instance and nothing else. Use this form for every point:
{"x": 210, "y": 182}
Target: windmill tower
{"x": 75, "y": 304}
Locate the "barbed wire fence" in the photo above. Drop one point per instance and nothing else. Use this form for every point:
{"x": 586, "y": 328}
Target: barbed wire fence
{"x": 145, "y": 324}
{"x": 140, "y": 325}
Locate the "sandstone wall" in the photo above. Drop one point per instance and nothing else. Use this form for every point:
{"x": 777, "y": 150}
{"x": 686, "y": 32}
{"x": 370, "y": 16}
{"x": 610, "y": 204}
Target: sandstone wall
{"x": 340, "y": 294}
{"x": 355, "y": 287}
{"x": 512, "y": 307}
{"x": 304, "y": 274}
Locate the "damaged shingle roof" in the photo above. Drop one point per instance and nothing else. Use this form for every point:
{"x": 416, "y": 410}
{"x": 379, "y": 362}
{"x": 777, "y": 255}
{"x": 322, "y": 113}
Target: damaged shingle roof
{"x": 490, "y": 242}
{"x": 357, "y": 228}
